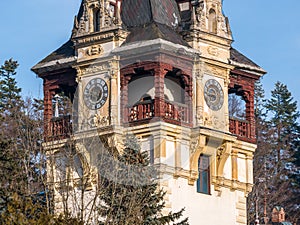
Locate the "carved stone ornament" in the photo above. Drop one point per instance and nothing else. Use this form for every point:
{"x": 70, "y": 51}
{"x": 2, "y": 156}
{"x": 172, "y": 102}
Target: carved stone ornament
{"x": 95, "y": 68}
{"x": 213, "y": 121}
{"x": 213, "y": 51}
{"x": 220, "y": 151}
{"x": 101, "y": 121}
{"x": 95, "y": 50}
{"x": 194, "y": 144}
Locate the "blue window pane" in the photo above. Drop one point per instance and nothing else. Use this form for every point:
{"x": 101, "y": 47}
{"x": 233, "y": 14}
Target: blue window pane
{"x": 204, "y": 182}
{"x": 203, "y": 179}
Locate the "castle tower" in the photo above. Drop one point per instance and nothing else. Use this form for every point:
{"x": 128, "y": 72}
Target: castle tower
{"x": 164, "y": 71}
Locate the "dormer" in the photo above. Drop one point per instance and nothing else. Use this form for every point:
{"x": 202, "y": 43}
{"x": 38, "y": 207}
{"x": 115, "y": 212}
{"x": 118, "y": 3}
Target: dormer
{"x": 97, "y": 29}
{"x": 205, "y": 16}
{"x": 96, "y": 16}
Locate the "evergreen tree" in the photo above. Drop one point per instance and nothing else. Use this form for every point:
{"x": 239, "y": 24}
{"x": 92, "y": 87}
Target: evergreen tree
{"x": 283, "y": 136}
{"x": 11, "y": 177}
{"x": 134, "y": 197}
{"x": 283, "y": 113}
{"x": 10, "y": 93}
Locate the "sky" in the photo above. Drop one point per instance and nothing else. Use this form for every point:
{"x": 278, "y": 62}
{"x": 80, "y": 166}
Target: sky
{"x": 266, "y": 31}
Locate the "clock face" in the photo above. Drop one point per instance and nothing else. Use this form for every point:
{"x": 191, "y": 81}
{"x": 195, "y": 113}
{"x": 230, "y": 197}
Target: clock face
{"x": 95, "y": 93}
{"x": 213, "y": 94}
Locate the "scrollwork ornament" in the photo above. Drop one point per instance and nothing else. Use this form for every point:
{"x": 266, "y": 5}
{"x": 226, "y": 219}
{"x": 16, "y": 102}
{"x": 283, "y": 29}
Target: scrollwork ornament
{"x": 194, "y": 144}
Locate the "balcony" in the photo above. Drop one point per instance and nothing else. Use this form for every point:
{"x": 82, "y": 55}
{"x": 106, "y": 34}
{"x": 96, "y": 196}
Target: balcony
{"x": 242, "y": 129}
{"x": 143, "y": 112}
{"x": 59, "y": 128}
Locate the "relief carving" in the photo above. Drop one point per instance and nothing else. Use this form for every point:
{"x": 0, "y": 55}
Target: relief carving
{"x": 94, "y": 50}
{"x": 213, "y": 51}
{"x": 95, "y": 69}
{"x": 101, "y": 121}
{"x": 194, "y": 145}
{"x": 220, "y": 151}
{"x": 216, "y": 71}
{"x": 213, "y": 121}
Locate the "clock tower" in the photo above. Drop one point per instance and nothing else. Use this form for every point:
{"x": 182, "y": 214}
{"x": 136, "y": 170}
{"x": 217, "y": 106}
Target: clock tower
{"x": 166, "y": 72}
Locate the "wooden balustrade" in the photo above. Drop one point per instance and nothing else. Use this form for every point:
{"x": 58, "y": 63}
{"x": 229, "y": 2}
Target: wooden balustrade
{"x": 59, "y": 128}
{"x": 241, "y": 128}
{"x": 141, "y": 111}
{"x": 174, "y": 112}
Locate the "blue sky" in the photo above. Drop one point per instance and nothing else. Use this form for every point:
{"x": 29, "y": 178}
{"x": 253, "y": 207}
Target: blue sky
{"x": 266, "y": 31}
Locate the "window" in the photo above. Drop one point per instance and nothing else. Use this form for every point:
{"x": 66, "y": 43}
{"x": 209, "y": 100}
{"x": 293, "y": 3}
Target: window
{"x": 236, "y": 106}
{"x": 203, "y": 182}
{"x": 212, "y": 21}
{"x": 97, "y": 20}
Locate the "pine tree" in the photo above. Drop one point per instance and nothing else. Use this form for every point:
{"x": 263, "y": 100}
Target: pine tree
{"x": 134, "y": 197}
{"x": 11, "y": 176}
{"x": 283, "y": 133}
{"x": 22, "y": 159}
{"x": 283, "y": 111}
{"x": 10, "y": 92}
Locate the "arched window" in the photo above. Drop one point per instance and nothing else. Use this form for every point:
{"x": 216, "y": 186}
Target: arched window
{"x": 97, "y": 20}
{"x": 236, "y": 106}
{"x": 212, "y": 21}
{"x": 203, "y": 182}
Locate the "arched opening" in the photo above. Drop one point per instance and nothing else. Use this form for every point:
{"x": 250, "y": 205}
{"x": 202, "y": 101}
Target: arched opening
{"x": 140, "y": 97}
{"x": 236, "y": 106}
{"x": 212, "y": 21}
{"x": 174, "y": 88}
{"x": 140, "y": 89}
{"x": 97, "y": 20}
{"x": 148, "y": 93}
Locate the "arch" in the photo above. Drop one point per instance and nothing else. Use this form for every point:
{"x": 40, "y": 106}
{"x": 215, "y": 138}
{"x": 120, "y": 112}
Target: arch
{"x": 223, "y": 153}
{"x": 212, "y": 21}
{"x": 197, "y": 150}
{"x": 96, "y": 20}
{"x": 175, "y": 86}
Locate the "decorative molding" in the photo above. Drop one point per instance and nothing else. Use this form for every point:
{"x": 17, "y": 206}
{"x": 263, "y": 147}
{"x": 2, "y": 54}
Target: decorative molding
{"x": 94, "y": 50}
{"x": 101, "y": 121}
{"x": 214, "y": 51}
{"x": 213, "y": 121}
{"x": 95, "y": 69}
{"x": 197, "y": 145}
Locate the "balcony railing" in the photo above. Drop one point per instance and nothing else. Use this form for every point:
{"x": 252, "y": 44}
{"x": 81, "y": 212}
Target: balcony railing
{"x": 176, "y": 112}
{"x": 173, "y": 112}
{"x": 241, "y": 128}
{"x": 141, "y": 111}
{"x": 59, "y": 128}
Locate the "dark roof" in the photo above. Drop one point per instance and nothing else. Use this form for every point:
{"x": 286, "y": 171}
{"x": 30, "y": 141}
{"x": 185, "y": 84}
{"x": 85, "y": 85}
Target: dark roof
{"x": 137, "y": 13}
{"x": 154, "y": 31}
{"x": 64, "y": 51}
{"x": 243, "y": 61}
{"x": 64, "y": 55}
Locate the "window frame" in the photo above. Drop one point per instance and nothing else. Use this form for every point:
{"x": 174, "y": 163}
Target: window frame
{"x": 202, "y": 172}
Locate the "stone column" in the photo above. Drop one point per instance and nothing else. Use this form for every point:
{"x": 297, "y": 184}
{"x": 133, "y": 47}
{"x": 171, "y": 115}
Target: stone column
{"x": 234, "y": 163}
{"x": 114, "y": 96}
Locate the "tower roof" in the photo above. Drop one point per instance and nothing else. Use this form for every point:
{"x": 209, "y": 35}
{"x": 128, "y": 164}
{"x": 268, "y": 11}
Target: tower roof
{"x": 151, "y": 19}
{"x": 138, "y": 13}
{"x": 154, "y": 31}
